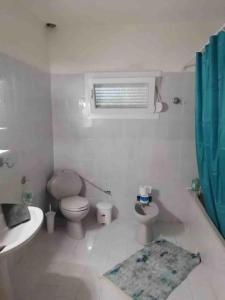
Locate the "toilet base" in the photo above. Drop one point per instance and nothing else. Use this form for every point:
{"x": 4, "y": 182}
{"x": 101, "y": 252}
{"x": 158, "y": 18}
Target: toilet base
{"x": 75, "y": 230}
{"x": 144, "y": 234}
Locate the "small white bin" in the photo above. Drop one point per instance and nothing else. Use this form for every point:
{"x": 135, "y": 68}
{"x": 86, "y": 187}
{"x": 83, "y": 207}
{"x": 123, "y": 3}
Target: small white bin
{"x": 104, "y": 212}
{"x": 50, "y": 216}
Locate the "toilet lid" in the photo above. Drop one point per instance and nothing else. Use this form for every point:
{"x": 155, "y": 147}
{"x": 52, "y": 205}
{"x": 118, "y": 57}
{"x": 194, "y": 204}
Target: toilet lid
{"x": 64, "y": 183}
{"x": 76, "y": 203}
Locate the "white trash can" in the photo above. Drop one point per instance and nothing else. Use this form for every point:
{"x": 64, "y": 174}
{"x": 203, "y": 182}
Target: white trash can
{"x": 50, "y": 216}
{"x": 104, "y": 212}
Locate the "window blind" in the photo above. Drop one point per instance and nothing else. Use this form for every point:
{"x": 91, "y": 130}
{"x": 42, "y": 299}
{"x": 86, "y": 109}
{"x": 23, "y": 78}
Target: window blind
{"x": 121, "y": 95}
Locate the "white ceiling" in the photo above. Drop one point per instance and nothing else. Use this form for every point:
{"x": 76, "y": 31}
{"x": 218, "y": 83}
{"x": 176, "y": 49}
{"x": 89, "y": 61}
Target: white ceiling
{"x": 126, "y": 11}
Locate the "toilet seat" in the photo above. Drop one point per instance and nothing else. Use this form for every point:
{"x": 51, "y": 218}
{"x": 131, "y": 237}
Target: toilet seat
{"x": 75, "y": 203}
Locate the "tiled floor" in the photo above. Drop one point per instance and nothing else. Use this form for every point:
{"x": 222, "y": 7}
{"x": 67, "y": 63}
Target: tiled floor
{"x": 57, "y": 267}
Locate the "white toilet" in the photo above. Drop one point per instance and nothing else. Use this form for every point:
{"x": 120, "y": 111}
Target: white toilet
{"x": 146, "y": 216}
{"x": 65, "y": 186}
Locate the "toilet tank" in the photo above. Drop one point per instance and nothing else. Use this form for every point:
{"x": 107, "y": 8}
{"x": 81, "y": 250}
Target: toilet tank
{"x": 64, "y": 183}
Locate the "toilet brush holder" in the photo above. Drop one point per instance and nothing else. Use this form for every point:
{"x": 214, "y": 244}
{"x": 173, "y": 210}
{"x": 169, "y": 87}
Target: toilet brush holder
{"x": 50, "y": 218}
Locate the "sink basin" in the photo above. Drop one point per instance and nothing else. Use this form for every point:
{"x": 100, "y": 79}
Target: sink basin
{"x": 14, "y": 238}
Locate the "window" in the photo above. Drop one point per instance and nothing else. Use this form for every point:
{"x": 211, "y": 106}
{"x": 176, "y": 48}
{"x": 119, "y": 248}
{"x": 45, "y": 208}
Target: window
{"x": 121, "y": 95}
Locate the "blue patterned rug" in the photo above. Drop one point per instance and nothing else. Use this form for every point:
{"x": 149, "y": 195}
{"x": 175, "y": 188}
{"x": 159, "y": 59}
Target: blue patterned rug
{"x": 153, "y": 272}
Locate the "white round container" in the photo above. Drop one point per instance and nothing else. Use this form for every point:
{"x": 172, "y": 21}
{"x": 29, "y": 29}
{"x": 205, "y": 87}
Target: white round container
{"x": 50, "y": 216}
{"x": 104, "y": 212}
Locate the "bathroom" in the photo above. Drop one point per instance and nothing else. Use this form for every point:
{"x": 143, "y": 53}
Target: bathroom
{"x": 48, "y": 50}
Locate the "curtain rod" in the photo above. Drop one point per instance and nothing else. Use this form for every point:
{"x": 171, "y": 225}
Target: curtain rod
{"x": 191, "y": 63}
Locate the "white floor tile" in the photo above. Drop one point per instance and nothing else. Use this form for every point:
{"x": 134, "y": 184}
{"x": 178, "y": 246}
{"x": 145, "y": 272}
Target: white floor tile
{"x": 200, "y": 284}
{"x": 58, "y": 267}
{"x": 218, "y": 283}
{"x": 109, "y": 292}
{"x": 182, "y": 292}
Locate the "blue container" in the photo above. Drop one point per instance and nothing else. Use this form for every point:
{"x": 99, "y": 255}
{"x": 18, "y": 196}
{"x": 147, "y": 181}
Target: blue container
{"x": 144, "y": 199}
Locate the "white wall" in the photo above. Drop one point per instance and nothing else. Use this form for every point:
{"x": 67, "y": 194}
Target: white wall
{"x": 22, "y": 35}
{"x": 25, "y": 112}
{"x": 25, "y": 102}
{"x": 119, "y": 155}
{"x": 83, "y": 46}
{"x": 132, "y": 47}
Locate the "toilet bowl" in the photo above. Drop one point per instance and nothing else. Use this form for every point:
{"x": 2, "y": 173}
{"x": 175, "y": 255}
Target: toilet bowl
{"x": 146, "y": 215}
{"x": 74, "y": 210}
{"x": 65, "y": 186}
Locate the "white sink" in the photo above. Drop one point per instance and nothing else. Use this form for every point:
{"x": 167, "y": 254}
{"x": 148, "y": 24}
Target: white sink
{"x": 12, "y": 239}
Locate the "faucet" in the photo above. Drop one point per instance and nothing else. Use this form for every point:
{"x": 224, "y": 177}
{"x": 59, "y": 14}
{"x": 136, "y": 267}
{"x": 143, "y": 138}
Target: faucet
{"x": 5, "y": 162}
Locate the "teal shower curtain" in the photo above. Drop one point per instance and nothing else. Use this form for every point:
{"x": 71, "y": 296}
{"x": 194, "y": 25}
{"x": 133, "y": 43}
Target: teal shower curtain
{"x": 210, "y": 127}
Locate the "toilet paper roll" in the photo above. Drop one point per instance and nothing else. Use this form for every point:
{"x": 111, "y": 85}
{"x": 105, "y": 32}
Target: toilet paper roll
{"x": 143, "y": 191}
{"x": 148, "y": 189}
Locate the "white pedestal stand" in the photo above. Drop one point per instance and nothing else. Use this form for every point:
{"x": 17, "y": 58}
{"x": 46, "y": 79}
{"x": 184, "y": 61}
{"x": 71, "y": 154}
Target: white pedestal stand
{"x": 6, "y": 289}
{"x": 144, "y": 234}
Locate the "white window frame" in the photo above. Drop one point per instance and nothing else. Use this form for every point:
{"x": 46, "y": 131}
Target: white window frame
{"x": 121, "y": 77}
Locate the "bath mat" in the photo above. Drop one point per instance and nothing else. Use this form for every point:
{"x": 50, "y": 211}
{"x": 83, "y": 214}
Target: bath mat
{"x": 153, "y": 272}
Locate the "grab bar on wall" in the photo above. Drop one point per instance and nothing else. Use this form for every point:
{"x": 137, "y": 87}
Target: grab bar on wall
{"x": 107, "y": 192}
